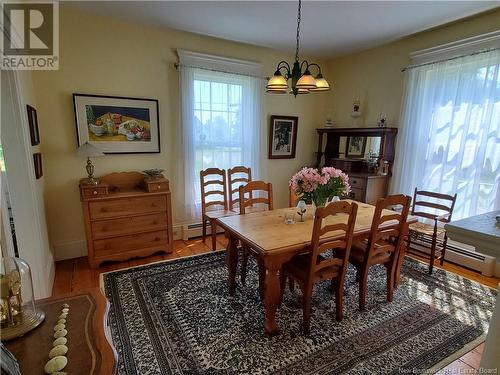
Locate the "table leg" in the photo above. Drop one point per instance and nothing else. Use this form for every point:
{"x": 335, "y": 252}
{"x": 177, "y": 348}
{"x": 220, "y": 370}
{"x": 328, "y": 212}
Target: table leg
{"x": 213, "y": 232}
{"x": 272, "y": 294}
{"x": 232, "y": 262}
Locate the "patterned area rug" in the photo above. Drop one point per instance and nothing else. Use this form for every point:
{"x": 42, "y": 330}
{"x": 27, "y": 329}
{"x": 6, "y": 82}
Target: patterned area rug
{"x": 175, "y": 317}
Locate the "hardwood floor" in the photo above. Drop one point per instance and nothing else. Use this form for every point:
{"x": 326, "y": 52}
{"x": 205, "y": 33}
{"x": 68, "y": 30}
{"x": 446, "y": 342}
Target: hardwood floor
{"x": 76, "y": 276}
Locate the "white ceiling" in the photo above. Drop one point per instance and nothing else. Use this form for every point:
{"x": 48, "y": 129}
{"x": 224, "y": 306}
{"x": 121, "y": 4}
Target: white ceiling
{"x": 328, "y": 27}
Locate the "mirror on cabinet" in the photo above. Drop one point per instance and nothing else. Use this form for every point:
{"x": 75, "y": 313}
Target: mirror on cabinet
{"x": 359, "y": 147}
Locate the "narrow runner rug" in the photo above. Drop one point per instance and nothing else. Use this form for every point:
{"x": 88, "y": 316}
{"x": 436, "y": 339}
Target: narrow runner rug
{"x": 176, "y": 317}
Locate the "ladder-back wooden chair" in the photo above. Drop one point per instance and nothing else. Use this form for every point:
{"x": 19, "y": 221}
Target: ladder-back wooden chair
{"x": 293, "y": 198}
{"x": 214, "y": 203}
{"x": 383, "y": 245}
{"x": 326, "y": 260}
{"x": 248, "y": 197}
{"x": 431, "y": 235}
{"x": 236, "y": 177}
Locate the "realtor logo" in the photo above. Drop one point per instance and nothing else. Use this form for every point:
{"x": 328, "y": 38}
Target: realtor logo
{"x": 30, "y": 36}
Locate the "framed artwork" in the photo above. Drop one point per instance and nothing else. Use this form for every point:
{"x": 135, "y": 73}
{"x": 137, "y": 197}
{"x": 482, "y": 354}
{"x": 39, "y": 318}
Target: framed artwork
{"x": 283, "y": 137}
{"x": 33, "y": 125}
{"x": 117, "y": 125}
{"x": 355, "y": 147}
{"x": 37, "y": 161}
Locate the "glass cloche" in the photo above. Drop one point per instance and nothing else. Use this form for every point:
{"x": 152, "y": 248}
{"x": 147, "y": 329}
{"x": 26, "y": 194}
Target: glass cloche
{"x": 18, "y": 312}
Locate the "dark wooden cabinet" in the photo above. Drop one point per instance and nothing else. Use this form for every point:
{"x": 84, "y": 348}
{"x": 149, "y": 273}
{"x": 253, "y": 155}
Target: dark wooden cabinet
{"x": 367, "y": 180}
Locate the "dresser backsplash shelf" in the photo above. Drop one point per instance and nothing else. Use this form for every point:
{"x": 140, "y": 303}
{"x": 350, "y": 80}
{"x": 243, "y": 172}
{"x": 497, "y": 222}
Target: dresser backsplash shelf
{"x": 367, "y": 184}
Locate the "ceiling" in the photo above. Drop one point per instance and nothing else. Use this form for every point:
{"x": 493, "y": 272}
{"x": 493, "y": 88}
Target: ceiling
{"x": 328, "y": 28}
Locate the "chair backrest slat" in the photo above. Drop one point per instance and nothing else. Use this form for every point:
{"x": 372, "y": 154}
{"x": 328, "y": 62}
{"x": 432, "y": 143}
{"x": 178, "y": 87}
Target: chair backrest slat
{"x": 213, "y": 183}
{"x": 249, "y": 189}
{"x": 293, "y": 198}
{"x": 236, "y": 177}
{"x": 341, "y": 246}
{"x": 445, "y": 203}
{"x": 390, "y": 235}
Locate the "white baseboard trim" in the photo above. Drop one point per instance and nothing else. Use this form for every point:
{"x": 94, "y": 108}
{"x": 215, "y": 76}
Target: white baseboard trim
{"x": 69, "y": 250}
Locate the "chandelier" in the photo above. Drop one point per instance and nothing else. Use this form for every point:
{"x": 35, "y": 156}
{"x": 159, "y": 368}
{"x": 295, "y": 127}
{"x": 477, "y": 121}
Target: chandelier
{"x": 301, "y": 83}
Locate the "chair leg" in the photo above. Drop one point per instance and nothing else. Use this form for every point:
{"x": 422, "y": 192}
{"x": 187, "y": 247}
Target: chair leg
{"x": 339, "y": 300}
{"x": 262, "y": 279}
{"x": 363, "y": 286}
{"x": 213, "y": 232}
{"x": 244, "y": 264}
{"x": 282, "y": 286}
{"x": 291, "y": 285}
{"x": 390, "y": 280}
{"x": 433, "y": 254}
{"x": 443, "y": 253}
{"x": 204, "y": 230}
{"x": 306, "y": 310}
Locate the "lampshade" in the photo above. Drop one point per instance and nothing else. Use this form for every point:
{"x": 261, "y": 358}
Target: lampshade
{"x": 276, "y": 91}
{"x": 88, "y": 151}
{"x": 307, "y": 81}
{"x": 301, "y": 91}
{"x": 277, "y": 81}
{"x": 321, "y": 84}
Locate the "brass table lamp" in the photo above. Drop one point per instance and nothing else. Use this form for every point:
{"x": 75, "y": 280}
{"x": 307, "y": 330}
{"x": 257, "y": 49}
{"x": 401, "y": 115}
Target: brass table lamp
{"x": 88, "y": 151}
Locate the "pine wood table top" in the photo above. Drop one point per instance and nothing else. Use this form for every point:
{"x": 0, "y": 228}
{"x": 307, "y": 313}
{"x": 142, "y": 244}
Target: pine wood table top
{"x": 267, "y": 232}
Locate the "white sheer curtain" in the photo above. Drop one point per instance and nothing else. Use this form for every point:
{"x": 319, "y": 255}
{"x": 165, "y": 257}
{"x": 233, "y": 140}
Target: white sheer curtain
{"x": 221, "y": 121}
{"x": 449, "y": 139}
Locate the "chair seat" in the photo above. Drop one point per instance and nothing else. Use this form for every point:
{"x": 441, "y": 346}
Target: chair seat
{"x": 426, "y": 229}
{"x": 359, "y": 249}
{"x": 299, "y": 267}
{"x": 220, "y": 213}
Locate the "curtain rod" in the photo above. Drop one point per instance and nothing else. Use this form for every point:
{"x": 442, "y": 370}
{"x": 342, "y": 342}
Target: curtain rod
{"x": 178, "y": 65}
{"x": 449, "y": 59}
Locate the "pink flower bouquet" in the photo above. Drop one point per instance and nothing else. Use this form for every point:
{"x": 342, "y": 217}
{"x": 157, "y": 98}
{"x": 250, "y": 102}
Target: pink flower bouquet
{"x": 320, "y": 185}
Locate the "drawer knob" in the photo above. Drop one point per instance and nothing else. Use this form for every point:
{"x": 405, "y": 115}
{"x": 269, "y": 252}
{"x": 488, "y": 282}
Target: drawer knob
{"x": 94, "y": 192}
{"x": 354, "y": 181}
{"x": 157, "y": 238}
{"x": 155, "y": 222}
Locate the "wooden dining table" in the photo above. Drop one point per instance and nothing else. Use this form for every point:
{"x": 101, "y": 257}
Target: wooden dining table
{"x": 274, "y": 243}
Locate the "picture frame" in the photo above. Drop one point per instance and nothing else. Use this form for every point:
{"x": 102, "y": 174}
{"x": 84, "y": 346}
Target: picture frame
{"x": 37, "y": 162}
{"x": 33, "y": 125}
{"x": 117, "y": 125}
{"x": 355, "y": 147}
{"x": 283, "y": 137}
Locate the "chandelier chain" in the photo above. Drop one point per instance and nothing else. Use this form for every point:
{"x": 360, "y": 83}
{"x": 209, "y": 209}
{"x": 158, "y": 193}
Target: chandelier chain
{"x": 298, "y": 32}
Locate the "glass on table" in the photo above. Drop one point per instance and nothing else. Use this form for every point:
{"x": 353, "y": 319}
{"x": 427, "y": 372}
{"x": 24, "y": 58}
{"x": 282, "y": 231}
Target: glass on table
{"x": 290, "y": 217}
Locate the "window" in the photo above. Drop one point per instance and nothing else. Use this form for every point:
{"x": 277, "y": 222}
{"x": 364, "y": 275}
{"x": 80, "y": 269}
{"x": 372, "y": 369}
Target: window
{"x": 221, "y": 121}
{"x": 218, "y": 136}
{"x": 450, "y": 132}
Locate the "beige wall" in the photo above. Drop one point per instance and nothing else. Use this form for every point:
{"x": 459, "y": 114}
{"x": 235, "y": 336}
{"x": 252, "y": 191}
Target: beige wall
{"x": 112, "y": 57}
{"x": 375, "y": 75}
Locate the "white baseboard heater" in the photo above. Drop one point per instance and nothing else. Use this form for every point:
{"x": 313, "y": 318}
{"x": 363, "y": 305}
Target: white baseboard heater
{"x": 462, "y": 255}
{"x": 188, "y": 231}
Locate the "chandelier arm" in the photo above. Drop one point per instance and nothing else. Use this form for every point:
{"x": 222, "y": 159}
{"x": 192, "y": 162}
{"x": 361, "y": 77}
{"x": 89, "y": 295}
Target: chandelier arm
{"x": 283, "y": 64}
{"x": 302, "y": 63}
{"x": 299, "y": 16}
{"x": 316, "y": 65}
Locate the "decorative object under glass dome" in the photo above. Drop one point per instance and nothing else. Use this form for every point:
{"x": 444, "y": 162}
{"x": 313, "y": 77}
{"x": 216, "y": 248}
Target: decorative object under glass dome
{"x": 18, "y": 312}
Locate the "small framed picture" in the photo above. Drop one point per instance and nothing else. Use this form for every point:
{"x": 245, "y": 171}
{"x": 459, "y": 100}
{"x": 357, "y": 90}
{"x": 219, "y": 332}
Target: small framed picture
{"x": 283, "y": 137}
{"x": 37, "y": 161}
{"x": 355, "y": 147}
{"x": 33, "y": 125}
{"x": 117, "y": 125}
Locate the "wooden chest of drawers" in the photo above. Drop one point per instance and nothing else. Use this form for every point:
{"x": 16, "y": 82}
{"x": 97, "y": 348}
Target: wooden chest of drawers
{"x": 367, "y": 188}
{"x": 123, "y": 220}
